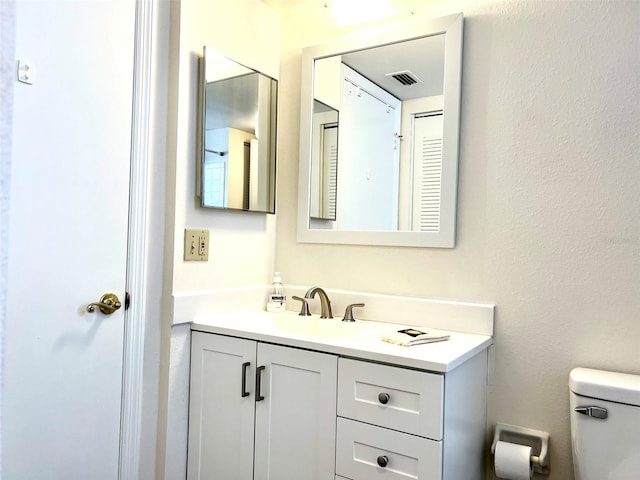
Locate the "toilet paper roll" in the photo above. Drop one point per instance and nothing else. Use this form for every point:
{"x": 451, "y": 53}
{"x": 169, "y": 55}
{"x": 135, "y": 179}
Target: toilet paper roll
{"x": 513, "y": 461}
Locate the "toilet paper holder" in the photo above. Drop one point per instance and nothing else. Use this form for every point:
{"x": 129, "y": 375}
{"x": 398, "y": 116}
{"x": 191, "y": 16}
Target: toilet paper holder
{"x": 536, "y": 439}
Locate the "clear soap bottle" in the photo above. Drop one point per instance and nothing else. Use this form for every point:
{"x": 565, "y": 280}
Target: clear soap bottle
{"x": 277, "y": 298}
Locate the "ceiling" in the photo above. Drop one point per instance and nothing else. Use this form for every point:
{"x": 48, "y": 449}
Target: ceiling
{"x": 424, "y": 57}
{"x": 282, "y": 6}
{"x": 232, "y": 103}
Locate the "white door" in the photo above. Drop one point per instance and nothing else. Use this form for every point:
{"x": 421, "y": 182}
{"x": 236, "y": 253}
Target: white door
{"x": 368, "y": 157}
{"x": 427, "y": 172}
{"x": 68, "y": 240}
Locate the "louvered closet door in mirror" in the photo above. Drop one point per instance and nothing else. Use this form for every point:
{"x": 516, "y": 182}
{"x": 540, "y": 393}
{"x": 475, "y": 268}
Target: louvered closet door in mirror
{"x": 427, "y": 172}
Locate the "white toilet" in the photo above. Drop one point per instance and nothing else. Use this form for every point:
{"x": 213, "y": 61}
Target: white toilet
{"x": 605, "y": 424}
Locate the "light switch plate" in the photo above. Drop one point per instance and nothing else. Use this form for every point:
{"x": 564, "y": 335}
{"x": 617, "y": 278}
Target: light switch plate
{"x": 196, "y": 245}
{"x": 25, "y": 72}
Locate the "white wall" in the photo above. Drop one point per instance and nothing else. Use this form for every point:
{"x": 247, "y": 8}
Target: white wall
{"x": 242, "y": 245}
{"x": 548, "y": 224}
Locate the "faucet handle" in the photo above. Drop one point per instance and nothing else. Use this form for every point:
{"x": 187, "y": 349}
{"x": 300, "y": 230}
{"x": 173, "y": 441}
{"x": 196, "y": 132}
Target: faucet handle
{"x": 348, "y": 313}
{"x": 304, "y": 310}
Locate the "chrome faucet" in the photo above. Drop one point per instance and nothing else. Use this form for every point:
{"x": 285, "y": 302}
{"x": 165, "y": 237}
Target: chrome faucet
{"x": 325, "y": 303}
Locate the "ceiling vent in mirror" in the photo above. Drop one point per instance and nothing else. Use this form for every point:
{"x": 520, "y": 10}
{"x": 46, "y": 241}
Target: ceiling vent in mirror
{"x": 405, "y": 77}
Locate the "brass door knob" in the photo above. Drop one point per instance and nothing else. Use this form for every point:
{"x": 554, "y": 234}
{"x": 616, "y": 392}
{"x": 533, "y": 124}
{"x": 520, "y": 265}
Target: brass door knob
{"x": 107, "y": 304}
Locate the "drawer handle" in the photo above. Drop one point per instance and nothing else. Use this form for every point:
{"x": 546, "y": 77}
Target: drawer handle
{"x": 382, "y": 461}
{"x": 383, "y": 398}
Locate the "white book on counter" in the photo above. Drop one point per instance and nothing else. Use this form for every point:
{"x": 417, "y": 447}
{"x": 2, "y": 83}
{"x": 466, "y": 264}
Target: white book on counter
{"x": 412, "y": 336}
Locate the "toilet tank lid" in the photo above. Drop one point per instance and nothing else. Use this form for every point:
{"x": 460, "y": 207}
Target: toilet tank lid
{"x": 612, "y": 386}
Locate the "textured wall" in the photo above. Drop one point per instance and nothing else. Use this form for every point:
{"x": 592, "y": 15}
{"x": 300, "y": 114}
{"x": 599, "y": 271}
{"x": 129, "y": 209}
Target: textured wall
{"x": 548, "y": 224}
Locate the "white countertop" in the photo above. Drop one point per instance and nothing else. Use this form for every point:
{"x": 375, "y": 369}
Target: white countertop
{"x": 360, "y": 339}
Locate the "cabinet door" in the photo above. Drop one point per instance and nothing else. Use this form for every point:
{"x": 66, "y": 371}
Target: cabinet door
{"x": 296, "y": 421}
{"x": 220, "y": 418}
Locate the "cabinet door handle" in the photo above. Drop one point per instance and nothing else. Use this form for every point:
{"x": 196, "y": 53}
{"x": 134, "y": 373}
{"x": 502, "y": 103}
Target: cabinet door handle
{"x": 382, "y": 461}
{"x": 383, "y": 398}
{"x": 244, "y": 392}
{"x": 259, "y": 371}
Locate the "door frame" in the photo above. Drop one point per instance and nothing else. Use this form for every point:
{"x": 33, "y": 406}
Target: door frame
{"x": 138, "y": 245}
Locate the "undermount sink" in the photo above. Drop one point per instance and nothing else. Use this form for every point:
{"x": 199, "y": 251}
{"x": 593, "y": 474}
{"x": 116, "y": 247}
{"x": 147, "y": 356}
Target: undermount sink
{"x": 290, "y": 325}
{"x": 314, "y": 326}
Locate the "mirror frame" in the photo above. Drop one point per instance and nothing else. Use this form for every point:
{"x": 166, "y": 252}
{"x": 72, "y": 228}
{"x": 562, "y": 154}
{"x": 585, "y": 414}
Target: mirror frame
{"x": 452, "y": 27}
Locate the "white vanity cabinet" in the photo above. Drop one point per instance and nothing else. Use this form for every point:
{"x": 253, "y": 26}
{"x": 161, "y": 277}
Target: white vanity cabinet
{"x": 260, "y": 411}
{"x": 335, "y": 406}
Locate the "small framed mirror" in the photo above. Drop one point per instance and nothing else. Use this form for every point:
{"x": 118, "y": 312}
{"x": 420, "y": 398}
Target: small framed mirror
{"x": 380, "y": 116}
{"x": 237, "y": 164}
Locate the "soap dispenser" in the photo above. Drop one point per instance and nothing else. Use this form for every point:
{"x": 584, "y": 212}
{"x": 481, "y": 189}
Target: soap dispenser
{"x": 277, "y": 299}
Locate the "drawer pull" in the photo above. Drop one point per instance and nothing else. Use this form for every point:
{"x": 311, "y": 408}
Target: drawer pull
{"x": 383, "y": 398}
{"x": 382, "y": 461}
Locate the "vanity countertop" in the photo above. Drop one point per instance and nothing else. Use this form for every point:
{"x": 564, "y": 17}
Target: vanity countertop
{"x": 360, "y": 339}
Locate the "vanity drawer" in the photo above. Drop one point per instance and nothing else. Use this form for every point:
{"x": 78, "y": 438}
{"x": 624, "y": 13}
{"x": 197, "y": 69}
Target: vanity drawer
{"x": 362, "y": 449}
{"x": 414, "y": 399}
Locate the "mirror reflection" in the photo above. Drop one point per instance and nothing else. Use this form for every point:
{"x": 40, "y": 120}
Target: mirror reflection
{"x": 387, "y": 160}
{"x": 238, "y": 136}
{"x": 389, "y": 174}
{"x": 324, "y": 162}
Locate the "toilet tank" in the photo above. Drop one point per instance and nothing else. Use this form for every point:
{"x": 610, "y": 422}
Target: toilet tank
{"x": 605, "y": 424}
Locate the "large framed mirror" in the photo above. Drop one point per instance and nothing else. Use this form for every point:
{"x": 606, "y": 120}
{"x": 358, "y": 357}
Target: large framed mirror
{"x": 237, "y": 161}
{"x": 379, "y": 136}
